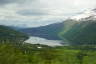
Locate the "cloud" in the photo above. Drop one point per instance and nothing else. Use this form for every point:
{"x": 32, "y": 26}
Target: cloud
{"x": 3, "y": 2}
{"x": 32, "y": 12}
{"x": 35, "y": 13}
{"x": 57, "y": 7}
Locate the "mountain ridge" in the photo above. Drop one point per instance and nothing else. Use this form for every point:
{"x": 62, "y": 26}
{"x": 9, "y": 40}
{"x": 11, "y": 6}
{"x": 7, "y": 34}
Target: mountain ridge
{"x": 80, "y": 32}
{"x": 49, "y": 31}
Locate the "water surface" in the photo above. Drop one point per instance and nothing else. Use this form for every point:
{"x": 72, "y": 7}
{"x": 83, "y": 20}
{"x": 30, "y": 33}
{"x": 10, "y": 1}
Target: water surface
{"x": 38, "y": 40}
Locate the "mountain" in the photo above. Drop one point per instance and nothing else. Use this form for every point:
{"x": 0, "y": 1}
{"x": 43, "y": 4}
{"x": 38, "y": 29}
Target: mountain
{"x": 8, "y": 34}
{"x": 87, "y": 15}
{"x": 49, "y": 31}
{"x": 80, "y": 29}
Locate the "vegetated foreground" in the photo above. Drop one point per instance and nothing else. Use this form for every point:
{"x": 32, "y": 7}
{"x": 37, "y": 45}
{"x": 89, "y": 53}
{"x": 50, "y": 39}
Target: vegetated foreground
{"x": 13, "y": 50}
{"x": 41, "y": 54}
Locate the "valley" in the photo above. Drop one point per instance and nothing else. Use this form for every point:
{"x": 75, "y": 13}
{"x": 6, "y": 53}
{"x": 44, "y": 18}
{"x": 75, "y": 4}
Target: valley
{"x": 72, "y": 41}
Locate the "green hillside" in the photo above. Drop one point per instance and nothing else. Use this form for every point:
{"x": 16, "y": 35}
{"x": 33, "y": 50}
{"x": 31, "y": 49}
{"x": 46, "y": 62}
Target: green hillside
{"x": 24, "y": 53}
{"x": 31, "y": 54}
{"x": 8, "y": 34}
{"x": 79, "y": 32}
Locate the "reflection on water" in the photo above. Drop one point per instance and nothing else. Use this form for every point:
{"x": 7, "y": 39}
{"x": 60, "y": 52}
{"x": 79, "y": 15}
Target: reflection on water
{"x": 38, "y": 40}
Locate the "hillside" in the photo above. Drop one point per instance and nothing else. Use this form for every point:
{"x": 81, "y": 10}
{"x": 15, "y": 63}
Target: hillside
{"x": 41, "y": 54}
{"x": 49, "y": 32}
{"x": 11, "y": 53}
{"x": 81, "y": 31}
{"x": 8, "y": 34}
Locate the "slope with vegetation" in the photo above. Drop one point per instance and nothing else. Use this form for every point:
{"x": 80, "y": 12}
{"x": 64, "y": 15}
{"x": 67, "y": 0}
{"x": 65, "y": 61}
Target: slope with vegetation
{"x": 80, "y": 29}
{"x": 32, "y": 54}
{"x": 8, "y": 34}
{"x": 79, "y": 32}
{"x": 13, "y": 49}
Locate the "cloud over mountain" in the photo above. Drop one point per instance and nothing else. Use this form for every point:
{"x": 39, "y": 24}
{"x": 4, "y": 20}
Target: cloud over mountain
{"x": 40, "y": 12}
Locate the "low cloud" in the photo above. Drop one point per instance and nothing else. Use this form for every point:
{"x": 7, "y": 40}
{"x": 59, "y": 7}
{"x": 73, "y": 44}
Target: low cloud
{"x": 4, "y": 2}
{"x": 32, "y": 12}
{"x": 40, "y": 12}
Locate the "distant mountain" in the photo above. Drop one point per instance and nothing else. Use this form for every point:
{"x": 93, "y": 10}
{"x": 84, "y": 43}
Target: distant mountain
{"x": 8, "y": 34}
{"x": 87, "y": 15}
{"x": 49, "y": 31}
{"x": 80, "y": 29}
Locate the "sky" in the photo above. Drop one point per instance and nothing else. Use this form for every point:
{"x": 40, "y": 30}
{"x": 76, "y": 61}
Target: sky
{"x": 34, "y": 13}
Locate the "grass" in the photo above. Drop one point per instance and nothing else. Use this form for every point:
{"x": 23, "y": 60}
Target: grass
{"x": 30, "y": 54}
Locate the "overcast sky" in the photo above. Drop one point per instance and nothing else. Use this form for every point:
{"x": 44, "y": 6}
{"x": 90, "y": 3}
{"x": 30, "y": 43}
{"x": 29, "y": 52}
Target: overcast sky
{"x": 33, "y": 13}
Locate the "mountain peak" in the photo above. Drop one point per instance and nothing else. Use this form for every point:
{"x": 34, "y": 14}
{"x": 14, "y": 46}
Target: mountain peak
{"x": 87, "y": 15}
